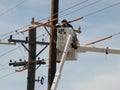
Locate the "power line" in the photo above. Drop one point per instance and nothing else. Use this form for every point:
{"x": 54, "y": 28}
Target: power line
{"x": 55, "y": 19}
{"x": 81, "y": 8}
{"x": 92, "y": 13}
{"x": 46, "y": 18}
{"x": 8, "y": 10}
{"x": 1, "y": 77}
{"x": 116, "y": 34}
{"x": 67, "y": 14}
{"x": 43, "y": 18}
{"x": 61, "y": 12}
{"x": 9, "y": 51}
{"x": 72, "y": 6}
{"x": 5, "y": 67}
{"x": 65, "y": 9}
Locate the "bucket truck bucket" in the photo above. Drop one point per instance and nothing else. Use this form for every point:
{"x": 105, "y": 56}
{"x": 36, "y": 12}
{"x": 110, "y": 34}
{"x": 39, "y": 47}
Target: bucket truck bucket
{"x": 62, "y": 34}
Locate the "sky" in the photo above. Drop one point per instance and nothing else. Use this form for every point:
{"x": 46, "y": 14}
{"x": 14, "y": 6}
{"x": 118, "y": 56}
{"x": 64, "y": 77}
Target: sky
{"x": 91, "y": 71}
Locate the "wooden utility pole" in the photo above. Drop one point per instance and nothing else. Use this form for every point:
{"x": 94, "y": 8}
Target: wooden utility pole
{"x": 32, "y": 60}
{"x": 53, "y": 38}
{"x": 31, "y": 63}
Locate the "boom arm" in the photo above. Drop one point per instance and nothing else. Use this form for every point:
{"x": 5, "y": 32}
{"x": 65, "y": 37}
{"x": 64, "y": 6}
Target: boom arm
{"x": 58, "y": 73}
{"x": 98, "y": 49}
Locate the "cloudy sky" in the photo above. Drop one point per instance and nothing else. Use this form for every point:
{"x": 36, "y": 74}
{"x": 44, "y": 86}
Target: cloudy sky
{"x": 92, "y": 71}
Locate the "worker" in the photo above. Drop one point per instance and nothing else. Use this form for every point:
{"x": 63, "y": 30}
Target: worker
{"x": 66, "y": 24}
{"x": 75, "y": 40}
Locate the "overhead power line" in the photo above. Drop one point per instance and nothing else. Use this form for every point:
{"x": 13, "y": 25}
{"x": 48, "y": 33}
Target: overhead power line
{"x": 72, "y": 13}
{"x": 61, "y": 16}
{"x": 9, "y": 51}
{"x": 43, "y": 18}
{"x": 116, "y": 34}
{"x": 7, "y": 75}
{"x": 92, "y": 13}
{"x": 52, "y": 20}
{"x": 5, "y": 67}
{"x": 10, "y": 9}
{"x": 82, "y": 8}
{"x": 71, "y": 7}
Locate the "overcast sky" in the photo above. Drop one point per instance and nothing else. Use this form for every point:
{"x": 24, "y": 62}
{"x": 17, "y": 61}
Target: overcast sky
{"x": 92, "y": 71}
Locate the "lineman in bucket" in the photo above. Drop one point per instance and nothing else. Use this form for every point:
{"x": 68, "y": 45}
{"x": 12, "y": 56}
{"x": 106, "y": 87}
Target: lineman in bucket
{"x": 65, "y": 23}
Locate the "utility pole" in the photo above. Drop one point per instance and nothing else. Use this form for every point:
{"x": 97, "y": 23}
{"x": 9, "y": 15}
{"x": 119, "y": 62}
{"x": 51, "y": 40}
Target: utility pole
{"x": 31, "y": 60}
{"x": 53, "y": 38}
{"x": 31, "y": 63}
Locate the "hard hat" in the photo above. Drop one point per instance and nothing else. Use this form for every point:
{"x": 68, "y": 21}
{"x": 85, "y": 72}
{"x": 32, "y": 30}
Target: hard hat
{"x": 64, "y": 20}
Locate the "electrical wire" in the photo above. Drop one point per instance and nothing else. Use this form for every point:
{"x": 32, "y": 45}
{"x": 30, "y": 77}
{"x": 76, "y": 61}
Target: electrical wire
{"x": 116, "y": 34}
{"x": 71, "y": 7}
{"x": 42, "y": 19}
{"x": 14, "y": 31}
{"x": 50, "y": 16}
{"x": 6, "y": 35}
{"x": 1, "y": 77}
{"x": 6, "y": 67}
{"x": 6, "y": 54}
{"x": 113, "y": 5}
{"x": 92, "y": 13}
{"x": 82, "y": 8}
{"x": 65, "y": 9}
{"x": 41, "y": 35}
{"x": 9, "y": 51}
{"x": 2, "y": 65}
{"x": 54, "y": 19}
{"x": 72, "y": 12}
{"x": 8, "y": 10}
{"x": 3, "y": 68}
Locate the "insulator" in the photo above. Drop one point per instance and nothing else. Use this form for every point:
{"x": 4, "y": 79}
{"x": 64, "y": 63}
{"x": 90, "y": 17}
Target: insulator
{"x": 16, "y": 31}
{"x": 38, "y": 78}
{"x": 14, "y": 61}
{"x": 107, "y": 50}
{"x": 42, "y": 59}
{"x": 42, "y": 40}
{"x": 32, "y": 22}
{"x": 42, "y": 79}
{"x": 10, "y": 60}
{"x": 38, "y": 58}
{"x": 26, "y": 38}
{"x": 10, "y": 37}
{"x": 20, "y": 59}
